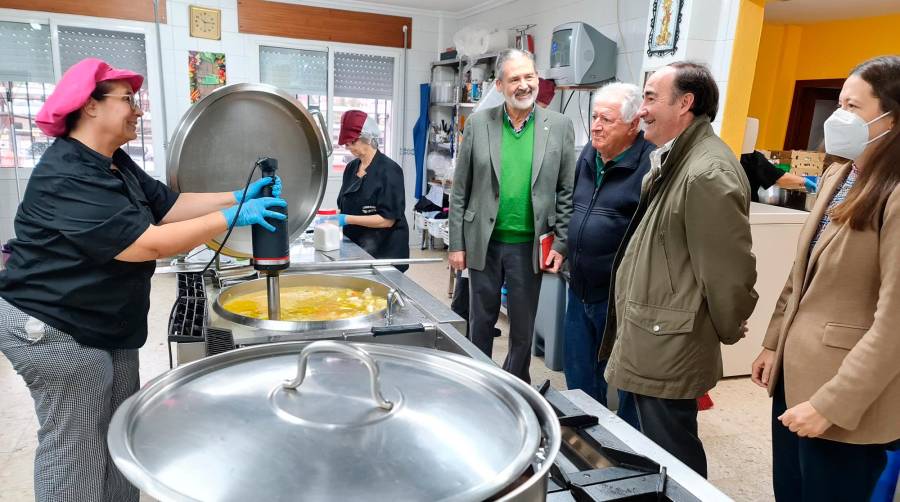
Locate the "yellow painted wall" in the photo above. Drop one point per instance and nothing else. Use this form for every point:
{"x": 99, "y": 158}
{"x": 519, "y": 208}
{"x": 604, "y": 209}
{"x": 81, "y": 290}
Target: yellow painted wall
{"x": 788, "y": 53}
{"x": 740, "y": 75}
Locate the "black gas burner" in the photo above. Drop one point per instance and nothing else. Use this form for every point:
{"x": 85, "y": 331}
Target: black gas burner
{"x": 594, "y": 465}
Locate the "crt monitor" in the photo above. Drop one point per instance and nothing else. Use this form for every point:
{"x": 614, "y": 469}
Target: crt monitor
{"x": 581, "y": 55}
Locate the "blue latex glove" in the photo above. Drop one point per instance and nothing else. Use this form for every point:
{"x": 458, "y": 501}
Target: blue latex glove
{"x": 255, "y": 212}
{"x": 338, "y": 219}
{"x": 810, "y": 185}
{"x": 254, "y": 191}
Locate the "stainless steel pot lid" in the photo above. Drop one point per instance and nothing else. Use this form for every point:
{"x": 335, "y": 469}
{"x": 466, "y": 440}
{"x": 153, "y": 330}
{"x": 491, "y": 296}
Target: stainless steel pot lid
{"x": 222, "y": 135}
{"x": 368, "y": 421}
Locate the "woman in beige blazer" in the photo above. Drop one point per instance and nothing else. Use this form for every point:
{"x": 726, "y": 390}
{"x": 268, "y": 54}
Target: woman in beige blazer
{"x": 831, "y": 356}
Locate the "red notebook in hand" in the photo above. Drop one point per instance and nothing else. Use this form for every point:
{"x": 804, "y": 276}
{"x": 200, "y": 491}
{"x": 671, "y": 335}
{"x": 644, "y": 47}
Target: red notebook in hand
{"x": 546, "y": 241}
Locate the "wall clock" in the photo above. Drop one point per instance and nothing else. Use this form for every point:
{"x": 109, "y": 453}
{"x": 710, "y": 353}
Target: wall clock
{"x": 206, "y": 23}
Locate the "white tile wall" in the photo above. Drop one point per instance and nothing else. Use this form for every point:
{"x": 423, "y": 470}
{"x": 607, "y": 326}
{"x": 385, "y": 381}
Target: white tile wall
{"x": 229, "y": 20}
{"x": 722, "y": 59}
{"x": 707, "y": 36}
{"x": 704, "y": 20}
{"x": 701, "y": 50}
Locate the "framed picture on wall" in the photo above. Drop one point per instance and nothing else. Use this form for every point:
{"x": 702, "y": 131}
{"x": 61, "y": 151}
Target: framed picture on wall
{"x": 664, "y": 26}
{"x": 206, "y": 71}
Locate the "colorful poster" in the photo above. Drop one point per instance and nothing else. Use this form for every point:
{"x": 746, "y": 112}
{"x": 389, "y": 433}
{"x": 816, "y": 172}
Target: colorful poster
{"x": 206, "y": 71}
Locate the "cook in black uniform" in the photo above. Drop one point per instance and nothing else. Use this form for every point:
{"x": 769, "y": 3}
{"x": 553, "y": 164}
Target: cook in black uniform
{"x": 761, "y": 173}
{"x": 75, "y": 295}
{"x": 372, "y": 198}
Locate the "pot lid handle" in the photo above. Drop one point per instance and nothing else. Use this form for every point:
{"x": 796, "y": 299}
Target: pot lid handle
{"x": 318, "y": 115}
{"x": 346, "y": 349}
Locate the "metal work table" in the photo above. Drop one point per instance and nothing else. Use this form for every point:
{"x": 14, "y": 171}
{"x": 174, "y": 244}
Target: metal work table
{"x": 444, "y": 329}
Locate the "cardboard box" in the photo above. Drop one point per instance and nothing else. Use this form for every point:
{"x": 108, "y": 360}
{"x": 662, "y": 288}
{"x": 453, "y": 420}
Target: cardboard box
{"x": 805, "y": 163}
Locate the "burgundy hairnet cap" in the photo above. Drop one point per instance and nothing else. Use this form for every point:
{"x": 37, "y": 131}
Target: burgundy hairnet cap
{"x": 352, "y": 122}
{"x": 546, "y": 90}
{"x": 73, "y": 90}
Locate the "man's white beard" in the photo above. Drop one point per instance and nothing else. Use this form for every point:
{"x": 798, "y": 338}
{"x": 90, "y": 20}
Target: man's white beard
{"x": 512, "y": 102}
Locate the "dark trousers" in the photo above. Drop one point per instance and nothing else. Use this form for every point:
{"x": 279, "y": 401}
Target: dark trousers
{"x": 672, "y": 424}
{"x": 583, "y": 333}
{"x": 512, "y": 263}
{"x": 815, "y": 469}
{"x": 460, "y": 302}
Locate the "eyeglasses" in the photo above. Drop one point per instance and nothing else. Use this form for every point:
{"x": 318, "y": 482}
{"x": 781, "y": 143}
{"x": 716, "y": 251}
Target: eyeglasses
{"x": 132, "y": 99}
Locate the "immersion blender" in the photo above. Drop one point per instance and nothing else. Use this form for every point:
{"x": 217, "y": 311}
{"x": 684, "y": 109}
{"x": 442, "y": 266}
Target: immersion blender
{"x": 271, "y": 250}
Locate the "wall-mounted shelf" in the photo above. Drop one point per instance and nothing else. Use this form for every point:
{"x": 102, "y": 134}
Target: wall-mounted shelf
{"x": 457, "y": 109}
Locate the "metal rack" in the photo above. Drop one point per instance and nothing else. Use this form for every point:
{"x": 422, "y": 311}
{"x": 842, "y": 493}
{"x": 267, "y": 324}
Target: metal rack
{"x": 457, "y": 106}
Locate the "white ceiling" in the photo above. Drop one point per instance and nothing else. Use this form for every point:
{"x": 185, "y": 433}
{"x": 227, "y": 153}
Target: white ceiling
{"x": 813, "y": 11}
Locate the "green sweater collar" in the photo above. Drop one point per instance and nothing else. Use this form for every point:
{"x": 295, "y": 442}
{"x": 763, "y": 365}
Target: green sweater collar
{"x": 509, "y": 123}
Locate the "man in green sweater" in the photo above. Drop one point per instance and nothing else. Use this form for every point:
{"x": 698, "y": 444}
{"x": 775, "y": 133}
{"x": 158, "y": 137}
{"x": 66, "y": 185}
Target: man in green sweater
{"x": 511, "y": 186}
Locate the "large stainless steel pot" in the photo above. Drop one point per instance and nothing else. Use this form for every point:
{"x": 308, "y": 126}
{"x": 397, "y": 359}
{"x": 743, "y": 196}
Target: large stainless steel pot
{"x": 342, "y": 422}
{"x": 292, "y": 280}
{"x": 221, "y": 136}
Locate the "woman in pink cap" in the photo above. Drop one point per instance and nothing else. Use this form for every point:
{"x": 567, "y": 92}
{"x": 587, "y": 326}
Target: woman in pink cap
{"x": 75, "y": 295}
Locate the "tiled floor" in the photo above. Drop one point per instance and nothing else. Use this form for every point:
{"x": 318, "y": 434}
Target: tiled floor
{"x": 735, "y": 432}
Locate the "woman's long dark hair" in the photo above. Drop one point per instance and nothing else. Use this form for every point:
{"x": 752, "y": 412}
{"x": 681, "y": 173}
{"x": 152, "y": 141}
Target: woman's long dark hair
{"x": 862, "y": 209}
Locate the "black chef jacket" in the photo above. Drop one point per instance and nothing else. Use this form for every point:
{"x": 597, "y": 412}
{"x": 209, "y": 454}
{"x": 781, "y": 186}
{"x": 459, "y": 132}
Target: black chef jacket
{"x": 379, "y": 192}
{"x": 760, "y": 172}
{"x": 76, "y": 216}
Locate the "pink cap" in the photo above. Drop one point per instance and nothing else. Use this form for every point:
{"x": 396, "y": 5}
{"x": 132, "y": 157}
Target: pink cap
{"x": 73, "y": 90}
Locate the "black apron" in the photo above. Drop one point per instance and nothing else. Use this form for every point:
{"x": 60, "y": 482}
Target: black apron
{"x": 380, "y": 192}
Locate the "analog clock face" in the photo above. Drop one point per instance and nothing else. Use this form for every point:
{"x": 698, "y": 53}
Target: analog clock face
{"x": 204, "y": 23}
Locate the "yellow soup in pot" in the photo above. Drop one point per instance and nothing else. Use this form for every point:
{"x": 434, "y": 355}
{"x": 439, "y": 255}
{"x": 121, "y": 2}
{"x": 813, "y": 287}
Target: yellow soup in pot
{"x": 310, "y": 303}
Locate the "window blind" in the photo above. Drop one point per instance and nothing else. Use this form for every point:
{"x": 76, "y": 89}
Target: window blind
{"x": 25, "y": 53}
{"x": 363, "y": 76}
{"x": 294, "y": 70}
{"x": 119, "y": 49}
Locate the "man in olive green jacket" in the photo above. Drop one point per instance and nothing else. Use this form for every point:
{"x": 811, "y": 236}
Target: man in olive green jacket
{"x": 684, "y": 274}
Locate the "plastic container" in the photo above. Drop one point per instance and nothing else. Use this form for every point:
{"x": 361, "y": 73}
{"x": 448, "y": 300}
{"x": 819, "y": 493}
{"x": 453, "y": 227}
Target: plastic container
{"x": 322, "y": 216}
{"x": 443, "y": 92}
{"x": 327, "y": 237}
{"x": 443, "y": 74}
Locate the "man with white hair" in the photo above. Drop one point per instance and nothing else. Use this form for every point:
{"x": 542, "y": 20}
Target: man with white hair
{"x": 511, "y": 186}
{"x": 607, "y": 190}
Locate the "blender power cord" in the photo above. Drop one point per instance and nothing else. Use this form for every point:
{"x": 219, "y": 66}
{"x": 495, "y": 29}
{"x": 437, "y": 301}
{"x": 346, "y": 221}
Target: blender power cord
{"x": 234, "y": 221}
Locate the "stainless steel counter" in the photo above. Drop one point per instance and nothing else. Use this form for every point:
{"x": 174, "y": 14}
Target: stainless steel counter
{"x": 443, "y": 328}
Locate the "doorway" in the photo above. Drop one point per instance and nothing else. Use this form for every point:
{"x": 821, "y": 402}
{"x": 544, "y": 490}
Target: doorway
{"x": 814, "y": 101}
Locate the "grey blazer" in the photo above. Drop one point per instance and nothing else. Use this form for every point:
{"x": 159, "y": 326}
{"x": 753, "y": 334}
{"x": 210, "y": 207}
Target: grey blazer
{"x": 476, "y": 182}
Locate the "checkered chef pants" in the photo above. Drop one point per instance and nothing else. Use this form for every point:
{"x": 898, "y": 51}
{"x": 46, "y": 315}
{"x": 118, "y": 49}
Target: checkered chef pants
{"x": 76, "y": 389}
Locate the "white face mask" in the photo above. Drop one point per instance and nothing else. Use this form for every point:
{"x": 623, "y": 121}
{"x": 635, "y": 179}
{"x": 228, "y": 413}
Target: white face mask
{"x": 846, "y": 135}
